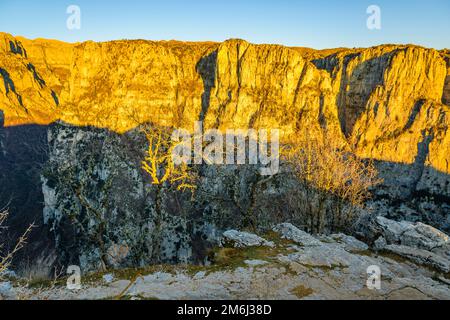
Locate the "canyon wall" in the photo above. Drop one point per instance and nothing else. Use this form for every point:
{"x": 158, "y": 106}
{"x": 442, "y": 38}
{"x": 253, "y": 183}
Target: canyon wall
{"x": 76, "y": 109}
{"x": 388, "y": 99}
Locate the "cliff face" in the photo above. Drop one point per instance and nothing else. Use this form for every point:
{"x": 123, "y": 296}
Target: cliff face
{"x": 388, "y": 98}
{"x": 388, "y": 103}
{"x": 446, "y": 95}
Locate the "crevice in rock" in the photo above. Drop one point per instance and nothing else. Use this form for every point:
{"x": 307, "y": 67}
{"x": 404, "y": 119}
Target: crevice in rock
{"x": 206, "y": 67}
{"x": 17, "y": 48}
{"x": 36, "y": 75}
{"x": 9, "y": 86}
{"x": 423, "y": 150}
{"x": 55, "y": 98}
{"x": 414, "y": 112}
{"x": 446, "y": 89}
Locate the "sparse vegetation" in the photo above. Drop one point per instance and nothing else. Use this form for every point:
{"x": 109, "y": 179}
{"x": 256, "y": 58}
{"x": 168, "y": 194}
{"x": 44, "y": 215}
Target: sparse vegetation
{"x": 334, "y": 183}
{"x": 302, "y": 291}
{"x": 7, "y": 257}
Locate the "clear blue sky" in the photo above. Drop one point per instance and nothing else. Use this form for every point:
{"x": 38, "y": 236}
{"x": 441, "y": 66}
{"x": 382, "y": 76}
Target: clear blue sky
{"x": 315, "y": 23}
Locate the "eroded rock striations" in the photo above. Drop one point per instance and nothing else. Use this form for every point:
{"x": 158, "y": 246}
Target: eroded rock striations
{"x": 75, "y": 110}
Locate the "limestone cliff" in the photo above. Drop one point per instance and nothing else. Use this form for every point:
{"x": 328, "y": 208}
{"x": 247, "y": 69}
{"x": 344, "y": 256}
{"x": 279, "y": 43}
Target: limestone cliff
{"x": 446, "y": 95}
{"x": 388, "y": 98}
{"x": 69, "y": 142}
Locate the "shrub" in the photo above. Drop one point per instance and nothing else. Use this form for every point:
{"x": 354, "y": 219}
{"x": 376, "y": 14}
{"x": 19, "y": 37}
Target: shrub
{"x": 6, "y": 258}
{"x": 333, "y": 182}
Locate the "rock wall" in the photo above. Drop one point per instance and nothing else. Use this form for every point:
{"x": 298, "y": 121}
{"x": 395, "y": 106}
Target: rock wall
{"x": 388, "y": 99}
{"x": 100, "y": 206}
{"x": 446, "y": 93}
{"x": 388, "y": 103}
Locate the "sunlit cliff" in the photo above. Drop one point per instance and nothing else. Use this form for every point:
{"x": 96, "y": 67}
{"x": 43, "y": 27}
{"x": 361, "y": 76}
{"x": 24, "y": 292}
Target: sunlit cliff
{"x": 71, "y": 150}
{"x": 385, "y": 102}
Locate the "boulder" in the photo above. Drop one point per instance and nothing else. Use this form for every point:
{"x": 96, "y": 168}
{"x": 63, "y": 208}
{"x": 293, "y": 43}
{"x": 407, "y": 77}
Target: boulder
{"x": 7, "y": 291}
{"x": 418, "y": 242}
{"x": 240, "y": 239}
{"x": 10, "y": 274}
{"x": 291, "y": 232}
{"x": 351, "y": 244}
{"x": 108, "y": 278}
{"x": 412, "y": 235}
{"x": 416, "y": 235}
{"x": 424, "y": 236}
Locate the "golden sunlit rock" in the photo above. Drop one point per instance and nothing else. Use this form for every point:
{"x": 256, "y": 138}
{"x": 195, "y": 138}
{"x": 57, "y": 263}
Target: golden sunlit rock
{"x": 385, "y": 102}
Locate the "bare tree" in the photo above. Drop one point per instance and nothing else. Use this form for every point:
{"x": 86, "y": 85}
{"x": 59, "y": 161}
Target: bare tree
{"x": 159, "y": 162}
{"x": 334, "y": 182}
{"x": 165, "y": 174}
{"x": 6, "y": 258}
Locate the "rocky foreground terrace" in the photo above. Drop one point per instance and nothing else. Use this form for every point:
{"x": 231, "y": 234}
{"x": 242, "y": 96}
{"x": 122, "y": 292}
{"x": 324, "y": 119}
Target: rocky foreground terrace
{"x": 71, "y": 152}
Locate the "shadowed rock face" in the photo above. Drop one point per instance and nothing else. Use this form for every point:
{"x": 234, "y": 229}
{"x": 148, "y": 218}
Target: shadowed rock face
{"x": 388, "y": 103}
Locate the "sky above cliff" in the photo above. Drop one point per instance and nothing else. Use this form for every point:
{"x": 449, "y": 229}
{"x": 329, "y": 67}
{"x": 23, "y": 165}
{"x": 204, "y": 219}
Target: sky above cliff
{"x": 318, "y": 24}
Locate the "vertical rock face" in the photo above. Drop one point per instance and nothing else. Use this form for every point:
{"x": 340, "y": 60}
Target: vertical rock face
{"x": 389, "y": 98}
{"x": 270, "y": 87}
{"x": 446, "y": 93}
{"x": 122, "y": 84}
{"x": 100, "y": 205}
{"x": 385, "y": 98}
{"x": 86, "y": 101}
{"x": 101, "y": 210}
{"x": 30, "y": 90}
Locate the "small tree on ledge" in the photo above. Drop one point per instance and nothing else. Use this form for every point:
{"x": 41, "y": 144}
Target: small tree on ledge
{"x": 159, "y": 162}
{"x": 166, "y": 175}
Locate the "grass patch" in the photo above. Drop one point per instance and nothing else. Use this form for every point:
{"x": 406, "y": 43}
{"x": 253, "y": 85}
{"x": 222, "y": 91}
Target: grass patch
{"x": 230, "y": 258}
{"x": 40, "y": 283}
{"x": 302, "y": 291}
{"x": 128, "y": 273}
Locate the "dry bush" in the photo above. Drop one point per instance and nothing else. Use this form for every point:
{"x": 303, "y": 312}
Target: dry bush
{"x": 6, "y": 258}
{"x": 334, "y": 183}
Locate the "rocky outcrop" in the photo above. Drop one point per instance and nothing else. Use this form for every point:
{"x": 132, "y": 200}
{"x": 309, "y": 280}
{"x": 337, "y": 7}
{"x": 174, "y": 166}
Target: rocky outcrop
{"x": 290, "y": 232}
{"x": 389, "y": 100}
{"x": 418, "y": 242}
{"x": 100, "y": 205}
{"x": 420, "y": 256}
{"x": 326, "y": 269}
{"x": 408, "y": 234}
{"x": 240, "y": 239}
